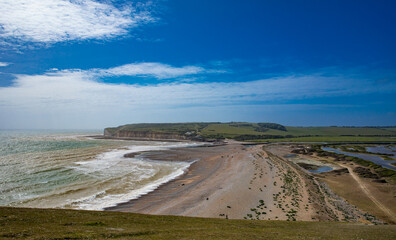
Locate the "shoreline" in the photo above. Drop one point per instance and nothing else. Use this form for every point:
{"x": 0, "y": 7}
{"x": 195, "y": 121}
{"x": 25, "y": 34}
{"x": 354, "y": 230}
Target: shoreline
{"x": 159, "y": 155}
{"x": 192, "y": 155}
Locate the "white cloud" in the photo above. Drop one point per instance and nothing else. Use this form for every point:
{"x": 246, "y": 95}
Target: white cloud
{"x": 4, "y": 64}
{"x": 144, "y": 69}
{"x": 77, "y": 98}
{"x": 51, "y": 21}
{"x": 157, "y": 70}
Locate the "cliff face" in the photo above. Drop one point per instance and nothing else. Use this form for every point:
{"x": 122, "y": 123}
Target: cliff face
{"x": 143, "y": 135}
{"x": 108, "y": 133}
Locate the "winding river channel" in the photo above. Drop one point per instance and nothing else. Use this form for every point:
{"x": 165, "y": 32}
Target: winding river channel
{"x": 369, "y": 157}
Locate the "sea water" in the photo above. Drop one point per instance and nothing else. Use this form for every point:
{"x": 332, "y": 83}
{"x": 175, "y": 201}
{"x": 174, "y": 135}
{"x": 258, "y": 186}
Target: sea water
{"x": 67, "y": 169}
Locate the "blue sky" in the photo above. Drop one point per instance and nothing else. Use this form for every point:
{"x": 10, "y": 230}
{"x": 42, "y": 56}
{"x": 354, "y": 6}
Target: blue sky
{"x": 93, "y": 64}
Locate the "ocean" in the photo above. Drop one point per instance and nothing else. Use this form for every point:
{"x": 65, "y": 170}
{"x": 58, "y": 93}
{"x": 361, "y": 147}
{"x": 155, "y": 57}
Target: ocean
{"x": 67, "y": 169}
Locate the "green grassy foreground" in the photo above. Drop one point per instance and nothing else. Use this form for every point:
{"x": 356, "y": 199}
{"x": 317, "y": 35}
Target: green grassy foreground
{"x": 19, "y": 223}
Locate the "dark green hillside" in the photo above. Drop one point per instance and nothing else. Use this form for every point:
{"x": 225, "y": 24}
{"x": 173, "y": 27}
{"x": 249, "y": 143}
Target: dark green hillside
{"x": 177, "y": 128}
{"x": 244, "y": 131}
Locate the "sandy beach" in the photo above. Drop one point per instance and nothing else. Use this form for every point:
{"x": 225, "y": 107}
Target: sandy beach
{"x": 212, "y": 186}
{"x": 239, "y": 181}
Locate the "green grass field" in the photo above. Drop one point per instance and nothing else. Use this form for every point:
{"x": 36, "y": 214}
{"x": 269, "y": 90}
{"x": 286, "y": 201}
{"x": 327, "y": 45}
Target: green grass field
{"x": 228, "y": 130}
{"x": 70, "y": 224}
{"x": 267, "y": 131}
{"x": 337, "y": 131}
{"x": 161, "y": 127}
{"x": 393, "y": 129}
{"x": 331, "y": 139}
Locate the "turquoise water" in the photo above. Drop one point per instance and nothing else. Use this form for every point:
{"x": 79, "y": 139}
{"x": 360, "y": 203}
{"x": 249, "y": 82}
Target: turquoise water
{"x": 66, "y": 169}
{"x": 322, "y": 169}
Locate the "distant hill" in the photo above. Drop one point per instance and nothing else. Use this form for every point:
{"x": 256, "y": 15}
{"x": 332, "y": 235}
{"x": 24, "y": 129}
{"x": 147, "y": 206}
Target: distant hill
{"x": 245, "y": 131}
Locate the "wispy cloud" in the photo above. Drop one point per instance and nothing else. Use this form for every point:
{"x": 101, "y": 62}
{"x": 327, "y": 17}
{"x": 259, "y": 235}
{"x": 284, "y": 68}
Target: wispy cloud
{"x": 80, "y": 93}
{"x": 51, "y": 21}
{"x": 141, "y": 69}
{"x": 157, "y": 70}
{"x": 4, "y": 64}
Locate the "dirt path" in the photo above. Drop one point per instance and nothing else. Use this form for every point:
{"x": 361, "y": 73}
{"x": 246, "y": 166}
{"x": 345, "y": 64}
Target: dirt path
{"x": 364, "y": 188}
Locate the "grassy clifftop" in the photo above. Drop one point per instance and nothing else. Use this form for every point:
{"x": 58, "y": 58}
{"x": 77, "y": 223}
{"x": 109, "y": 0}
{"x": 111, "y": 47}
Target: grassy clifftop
{"x": 18, "y": 223}
{"x": 262, "y": 131}
{"x": 177, "y": 128}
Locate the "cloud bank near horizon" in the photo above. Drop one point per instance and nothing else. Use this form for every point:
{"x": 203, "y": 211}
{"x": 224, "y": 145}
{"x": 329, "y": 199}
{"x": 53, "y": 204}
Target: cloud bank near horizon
{"x": 52, "y": 21}
{"x": 58, "y": 95}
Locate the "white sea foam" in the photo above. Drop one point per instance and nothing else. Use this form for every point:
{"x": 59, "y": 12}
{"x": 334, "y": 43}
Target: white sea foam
{"x": 109, "y": 159}
{"x": 95, "y": 203}
{"x": 113, "y": 163}
{"x": 54, "y": 169}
